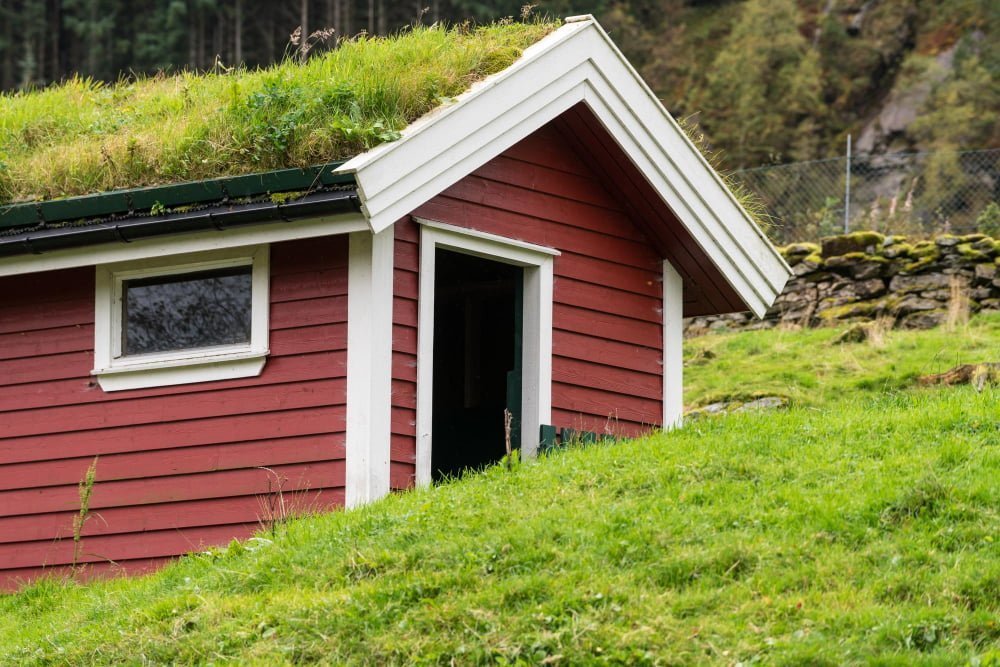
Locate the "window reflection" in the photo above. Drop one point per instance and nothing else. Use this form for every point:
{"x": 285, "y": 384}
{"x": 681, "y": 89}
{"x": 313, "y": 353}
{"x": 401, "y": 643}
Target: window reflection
{"x": 190, "y": 310}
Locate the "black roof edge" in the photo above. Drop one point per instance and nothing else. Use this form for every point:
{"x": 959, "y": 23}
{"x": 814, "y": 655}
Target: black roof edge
{"x": 128, "y": 202}
{"x": 219, "y": 218}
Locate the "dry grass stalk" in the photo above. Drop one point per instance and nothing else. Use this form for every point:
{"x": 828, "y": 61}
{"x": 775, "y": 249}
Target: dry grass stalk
{"x": 507, "y": 420}
{"x": 875, "y": 333}
{"x": 959, "y": 305}
{"x": 274, "y": 510}
{"x": 878, "y": 330}
{"x": 86, "y": 489}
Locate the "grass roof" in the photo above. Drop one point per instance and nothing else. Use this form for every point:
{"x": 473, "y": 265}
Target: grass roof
{"x": 82, "y": 136}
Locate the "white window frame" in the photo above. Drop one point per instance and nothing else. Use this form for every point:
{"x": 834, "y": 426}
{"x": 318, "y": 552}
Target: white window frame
{"x": 115, "y": 372}
{"x": 536, "y": 376}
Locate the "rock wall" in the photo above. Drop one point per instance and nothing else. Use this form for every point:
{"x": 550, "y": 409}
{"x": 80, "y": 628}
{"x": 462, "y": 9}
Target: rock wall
{"x": 866, "y": 275}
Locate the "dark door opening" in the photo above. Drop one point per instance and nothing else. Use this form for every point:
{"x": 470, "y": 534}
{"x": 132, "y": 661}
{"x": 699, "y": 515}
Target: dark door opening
{"x": 477, "y": 361}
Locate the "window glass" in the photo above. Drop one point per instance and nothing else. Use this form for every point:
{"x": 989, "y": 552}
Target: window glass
{"x": 190, "y": 310}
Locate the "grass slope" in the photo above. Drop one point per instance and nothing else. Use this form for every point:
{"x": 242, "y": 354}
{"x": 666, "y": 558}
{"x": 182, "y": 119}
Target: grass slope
{"x": 860, "y": 526}
{"x": 82, "y": 136}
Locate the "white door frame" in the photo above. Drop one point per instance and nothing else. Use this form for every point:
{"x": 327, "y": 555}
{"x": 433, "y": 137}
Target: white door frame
{"x": 536, "y": 391}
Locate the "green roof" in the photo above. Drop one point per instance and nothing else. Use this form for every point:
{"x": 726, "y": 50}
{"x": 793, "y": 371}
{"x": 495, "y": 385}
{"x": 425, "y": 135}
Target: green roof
{"x": 83, "y": 137}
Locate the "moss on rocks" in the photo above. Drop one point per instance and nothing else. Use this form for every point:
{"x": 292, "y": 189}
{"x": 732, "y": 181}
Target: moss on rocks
{"x": 920, "y": 264}
{"x": 972, "y": 254}
{"x": 866, "y": 238}
{"x": 799, "y": 249}
{"x": 924, "y": 249}
{"x": 900, "y": 249}
{"x": 850, "y": 243}
{"x": 987, "y": 245}
{"x": 858, "y": 265}
{"x": 851, "y": 310}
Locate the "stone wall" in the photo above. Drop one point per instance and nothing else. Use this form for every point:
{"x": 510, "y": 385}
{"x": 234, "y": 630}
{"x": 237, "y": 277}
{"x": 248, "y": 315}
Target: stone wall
{"x": 866, "y": 275}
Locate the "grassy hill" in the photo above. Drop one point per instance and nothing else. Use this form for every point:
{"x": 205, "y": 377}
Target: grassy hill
{"x": 860, "y": 525}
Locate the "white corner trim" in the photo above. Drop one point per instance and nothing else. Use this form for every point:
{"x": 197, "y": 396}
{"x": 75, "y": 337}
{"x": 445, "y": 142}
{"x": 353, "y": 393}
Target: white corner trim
{"x": 673, "y": 347}
{"x": 577, "y": 63}
{"x": 536, "y": 352}
{"x": 369, "y": 366}
{"x": 116, "y": 372}
{"x": 183, "y": 244}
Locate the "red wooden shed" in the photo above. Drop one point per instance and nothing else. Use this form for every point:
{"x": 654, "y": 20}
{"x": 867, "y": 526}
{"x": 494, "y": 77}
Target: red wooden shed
{"x": 531, "y": 246}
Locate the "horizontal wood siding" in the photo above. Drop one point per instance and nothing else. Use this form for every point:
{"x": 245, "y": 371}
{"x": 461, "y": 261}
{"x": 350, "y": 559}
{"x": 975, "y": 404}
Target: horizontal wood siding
{"x": 404, "y": 345}
{"x": 179, "y": 467}
{"x": 706, "y": 290}
{"x": 608, "y": 336}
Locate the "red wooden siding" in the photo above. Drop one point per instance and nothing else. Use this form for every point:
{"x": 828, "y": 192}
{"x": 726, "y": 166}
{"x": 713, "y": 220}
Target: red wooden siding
{"x": 179, "y": 467}
{"x": 607, "y": 338}
{"x": 406, "y": 263}
{"x": 706, "y": 290}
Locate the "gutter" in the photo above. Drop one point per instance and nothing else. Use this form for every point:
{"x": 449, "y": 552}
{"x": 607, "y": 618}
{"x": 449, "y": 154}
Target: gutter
{"x": 221, "y": 218}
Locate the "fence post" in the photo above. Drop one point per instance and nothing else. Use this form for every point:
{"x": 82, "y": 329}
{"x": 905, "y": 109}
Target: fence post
{"x": 847, "y": 189}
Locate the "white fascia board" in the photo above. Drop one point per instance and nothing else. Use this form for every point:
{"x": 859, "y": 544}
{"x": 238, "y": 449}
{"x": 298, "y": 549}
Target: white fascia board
{"x": 472, "y": 133}
{"x": 427, "y": 123}
{"x": 685, "y": 170}
{"x": 576, "y": 63}
{"x": 182, "y": 244}
{"x": 670, "y": 140}
{"x": 746, "y": 275}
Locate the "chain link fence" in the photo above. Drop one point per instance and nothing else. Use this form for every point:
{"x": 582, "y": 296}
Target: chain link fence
{"x": 916, "y": 194}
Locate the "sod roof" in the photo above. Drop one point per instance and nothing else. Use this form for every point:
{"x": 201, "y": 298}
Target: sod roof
{"x": 83, "y": 137}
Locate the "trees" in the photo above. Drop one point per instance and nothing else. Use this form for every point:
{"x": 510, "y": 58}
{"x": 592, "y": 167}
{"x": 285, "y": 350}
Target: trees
{"x": 763, "y": 92}
{"x": 47, "y": 40}
{"x": 770, "y": 80}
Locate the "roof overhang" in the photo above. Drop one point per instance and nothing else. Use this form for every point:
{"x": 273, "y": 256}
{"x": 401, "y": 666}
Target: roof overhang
{"x": 577, "y": 63}
{"x": 273, "y": 206}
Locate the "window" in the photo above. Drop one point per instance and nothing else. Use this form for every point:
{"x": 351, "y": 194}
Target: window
{"x": 186, "y": 311}
{"x": 164, "y": 322}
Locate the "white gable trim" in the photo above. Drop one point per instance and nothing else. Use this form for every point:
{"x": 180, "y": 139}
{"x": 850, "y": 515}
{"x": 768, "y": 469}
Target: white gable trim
{"x": 576, "y": 63}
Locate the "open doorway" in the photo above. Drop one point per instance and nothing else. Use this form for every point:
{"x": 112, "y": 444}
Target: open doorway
{"x": 478, "y": 311}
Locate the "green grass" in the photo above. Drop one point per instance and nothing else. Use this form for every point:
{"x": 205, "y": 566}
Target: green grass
{"x": 807, "y": 367}
{"x": 862, "y": 525}
{"x": 82, "y": 137}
